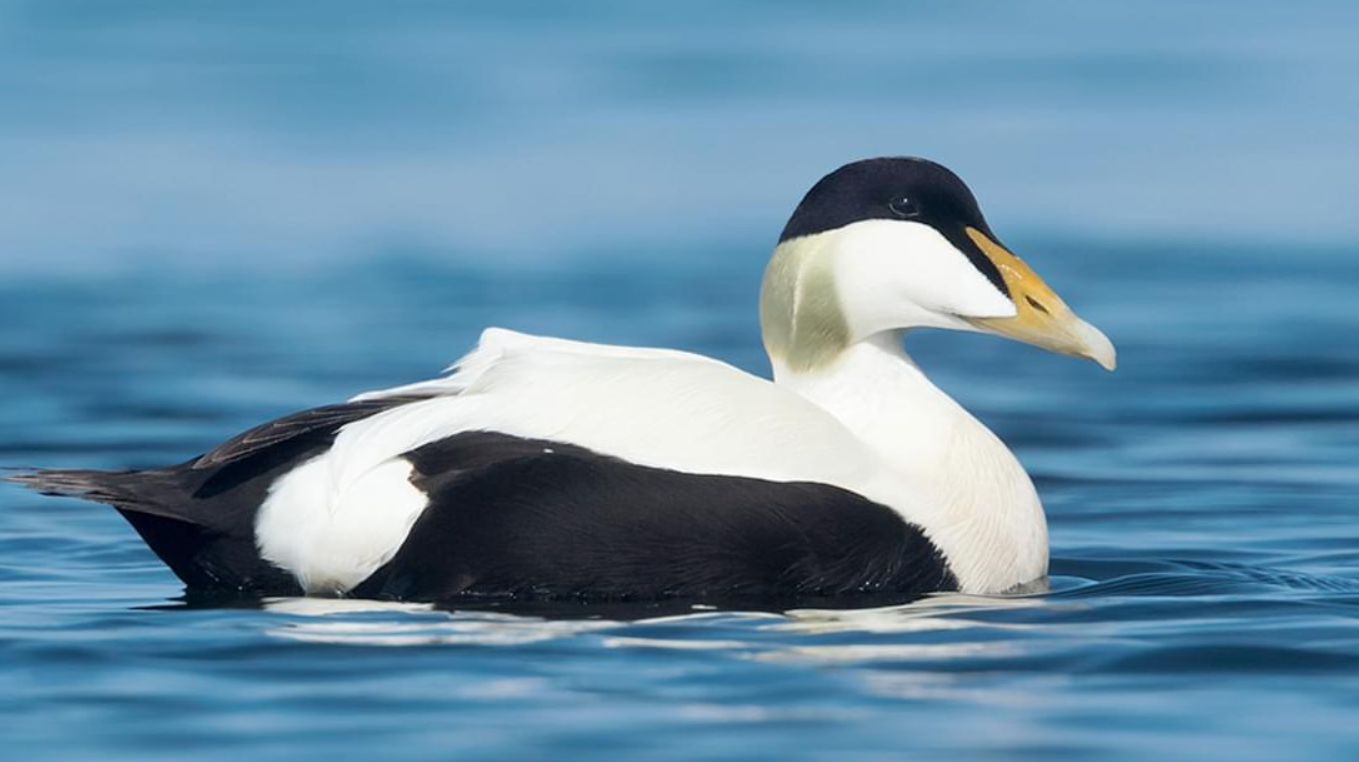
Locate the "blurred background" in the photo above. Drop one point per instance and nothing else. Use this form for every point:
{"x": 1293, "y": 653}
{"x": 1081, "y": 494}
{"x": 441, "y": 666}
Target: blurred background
{"x": 216, "y": 213}
{"x": 283, "y": 134}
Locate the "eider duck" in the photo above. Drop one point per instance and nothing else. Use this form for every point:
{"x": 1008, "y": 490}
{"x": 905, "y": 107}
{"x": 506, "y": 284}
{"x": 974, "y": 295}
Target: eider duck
{"x": 547, "y": 469}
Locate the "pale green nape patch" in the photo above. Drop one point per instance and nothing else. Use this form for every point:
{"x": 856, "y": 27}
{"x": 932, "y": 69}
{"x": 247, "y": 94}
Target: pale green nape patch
{"x": 801, "y": 318}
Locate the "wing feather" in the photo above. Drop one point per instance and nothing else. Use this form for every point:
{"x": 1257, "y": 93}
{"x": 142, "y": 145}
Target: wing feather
{"x": 327, "y": 418}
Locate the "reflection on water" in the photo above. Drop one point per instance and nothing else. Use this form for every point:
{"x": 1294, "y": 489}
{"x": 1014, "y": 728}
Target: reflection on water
{"x": 421, "y": 625}
{"x": 938, "y": 612}
{"x": 433, "y": 629}
{"x": 318, "y": 607}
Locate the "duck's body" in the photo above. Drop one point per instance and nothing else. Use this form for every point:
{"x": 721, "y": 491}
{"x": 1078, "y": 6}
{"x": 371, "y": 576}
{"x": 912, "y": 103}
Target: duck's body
{"x": 550, "y": 468}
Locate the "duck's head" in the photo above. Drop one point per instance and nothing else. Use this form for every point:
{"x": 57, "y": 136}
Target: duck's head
{"x": 896, "y": 243}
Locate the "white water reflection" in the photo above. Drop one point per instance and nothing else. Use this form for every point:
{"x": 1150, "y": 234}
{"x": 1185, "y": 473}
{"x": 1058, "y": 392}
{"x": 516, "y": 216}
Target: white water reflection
{"x": 416, "y": 624}
{"x": 333, "y": 606}
{"x": 795, "y": 636}
{"x": 939, "y": 612}
{"x": 677, "y": 644}
{"x": 861, "y": 653}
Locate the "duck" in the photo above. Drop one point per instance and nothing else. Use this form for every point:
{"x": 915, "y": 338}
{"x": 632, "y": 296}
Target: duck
{"x": 549, "y": 469}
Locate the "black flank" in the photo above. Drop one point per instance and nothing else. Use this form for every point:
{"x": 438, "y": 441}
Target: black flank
{"x": 539, "y": 520}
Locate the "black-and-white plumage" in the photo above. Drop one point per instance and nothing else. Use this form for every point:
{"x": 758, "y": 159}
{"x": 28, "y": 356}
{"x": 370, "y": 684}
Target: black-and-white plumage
{"x": 545, "y": 468}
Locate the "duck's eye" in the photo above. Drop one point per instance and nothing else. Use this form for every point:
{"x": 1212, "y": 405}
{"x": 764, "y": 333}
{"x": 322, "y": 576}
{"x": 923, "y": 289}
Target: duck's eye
{"x": 903, "y": 207}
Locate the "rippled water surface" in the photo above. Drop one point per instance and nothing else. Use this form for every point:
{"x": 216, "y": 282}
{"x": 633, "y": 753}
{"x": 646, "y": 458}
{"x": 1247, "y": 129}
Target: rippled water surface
{"x": 1204, "y": 599}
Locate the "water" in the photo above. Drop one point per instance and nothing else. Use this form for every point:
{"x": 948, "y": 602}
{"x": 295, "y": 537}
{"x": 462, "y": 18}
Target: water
{"x": 216, "y": 219}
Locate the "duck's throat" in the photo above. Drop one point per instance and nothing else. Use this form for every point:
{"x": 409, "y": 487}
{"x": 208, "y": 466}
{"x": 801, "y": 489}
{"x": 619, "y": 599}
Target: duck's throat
{"x": 958, "y": 481}
{"x": 876, "y": 390}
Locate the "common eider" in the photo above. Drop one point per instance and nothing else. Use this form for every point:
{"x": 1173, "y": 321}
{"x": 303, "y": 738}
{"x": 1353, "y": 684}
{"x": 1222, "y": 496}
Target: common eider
{"x": 541, "y": 468}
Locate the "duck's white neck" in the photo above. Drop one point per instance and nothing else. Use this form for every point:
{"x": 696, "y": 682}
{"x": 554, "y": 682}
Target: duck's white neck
{"x": 960, "y": 483}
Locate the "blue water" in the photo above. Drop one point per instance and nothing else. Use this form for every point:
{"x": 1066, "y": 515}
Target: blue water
{"x": 216, "y": 216}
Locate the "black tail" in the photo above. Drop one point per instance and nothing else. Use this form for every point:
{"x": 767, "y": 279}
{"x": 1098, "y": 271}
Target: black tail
{"x": 126, "y": 490}
{"x": 207, "y": 541}
{"x": 199, "y": 516}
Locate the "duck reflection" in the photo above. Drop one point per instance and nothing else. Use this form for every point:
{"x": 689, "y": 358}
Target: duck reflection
{"x": 900, "y": 631}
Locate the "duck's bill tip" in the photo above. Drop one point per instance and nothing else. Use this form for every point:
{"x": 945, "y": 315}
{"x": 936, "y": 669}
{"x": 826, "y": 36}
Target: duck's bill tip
{"x": 1095, "y": 345}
